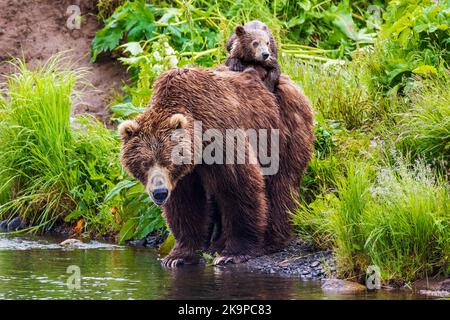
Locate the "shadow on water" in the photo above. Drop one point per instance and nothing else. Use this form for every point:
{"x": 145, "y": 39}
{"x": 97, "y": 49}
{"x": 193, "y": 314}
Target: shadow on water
{"x": 36, "y": 268}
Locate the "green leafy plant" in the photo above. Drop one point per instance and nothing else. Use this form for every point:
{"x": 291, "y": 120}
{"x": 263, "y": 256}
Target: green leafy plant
{"x": 136, "y": 21}
{"x": 412, "y": 40}
{"x": 146, "y": 62}
{"x": 134, "y": 206}
{"x": 56, "y": 168}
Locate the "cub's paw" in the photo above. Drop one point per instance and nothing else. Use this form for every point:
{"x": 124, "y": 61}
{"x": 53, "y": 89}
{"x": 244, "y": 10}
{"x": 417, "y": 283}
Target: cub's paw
{"x": 239, "y": 67}
{"x": 223, "y": 260}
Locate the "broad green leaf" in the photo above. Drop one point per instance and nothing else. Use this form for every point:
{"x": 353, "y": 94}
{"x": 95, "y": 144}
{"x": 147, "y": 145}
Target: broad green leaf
{"x": 127, "y": 230}
{"x": 134, "y": 48}
{"x": 119, "y": 187}
{"x": 425, "y": 69}
{"x": 167, "y": 245}
{"x": 126, "y": 110}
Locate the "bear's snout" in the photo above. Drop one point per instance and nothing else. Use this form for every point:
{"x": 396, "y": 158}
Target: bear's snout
{"x": 265, "y": 55}
{"x": 159, "y": 185}
{"x": 160, "y": 195}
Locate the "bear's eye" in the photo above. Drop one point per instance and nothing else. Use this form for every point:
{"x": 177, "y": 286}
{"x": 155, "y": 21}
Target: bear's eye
{"x": 146, "y": 164}
{"x": 268, "y": 42}
{"x": 255, "y": 44}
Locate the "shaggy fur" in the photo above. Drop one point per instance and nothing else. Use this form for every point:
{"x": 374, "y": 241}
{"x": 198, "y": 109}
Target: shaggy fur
{"x": 296, "y": 146}
{"x": 221, "y": 100}
{"x": 252, "y": 211}
{"x": 243, "y": 53}
{"x": 282, "y": 189}
{"x": 296, "y": 140}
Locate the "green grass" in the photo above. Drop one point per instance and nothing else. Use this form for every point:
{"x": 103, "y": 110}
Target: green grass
{"x": 425, "y": 127}
{"x": 340, "y": 91}
{"x": 34, "y": 133}
{"x": 61, "y": 169}
{"x": 397, "y": 218}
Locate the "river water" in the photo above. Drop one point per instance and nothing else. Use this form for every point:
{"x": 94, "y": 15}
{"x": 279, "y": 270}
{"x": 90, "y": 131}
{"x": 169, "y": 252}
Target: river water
{"x": 37, "y": 268}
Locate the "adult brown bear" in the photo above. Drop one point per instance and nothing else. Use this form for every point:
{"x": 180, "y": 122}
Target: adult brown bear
{"x": 220, "y": 100}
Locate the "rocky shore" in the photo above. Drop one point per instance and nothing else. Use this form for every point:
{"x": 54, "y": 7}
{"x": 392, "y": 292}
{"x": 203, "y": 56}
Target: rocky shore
{"x": 298, "y": 259}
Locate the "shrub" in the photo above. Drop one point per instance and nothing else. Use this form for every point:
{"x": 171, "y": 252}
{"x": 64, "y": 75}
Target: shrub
{"x": 399, "y": 221}
{"x": 336, "y": 91}
{"x": 55, "y": 167}
{"x": 413, "y": 40}
{"x": 34, "y": 134}
{"x": 424, "y": 129}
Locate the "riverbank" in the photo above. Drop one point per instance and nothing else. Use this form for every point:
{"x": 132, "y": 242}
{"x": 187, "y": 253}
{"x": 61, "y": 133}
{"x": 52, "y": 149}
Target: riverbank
{"x": 376, "y": 191}
{"x": 36, "y": 30}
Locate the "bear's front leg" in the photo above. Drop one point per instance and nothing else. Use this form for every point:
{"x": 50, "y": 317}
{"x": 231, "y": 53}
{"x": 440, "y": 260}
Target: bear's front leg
{"x": 186, "y": 216}
{"x": 242, "y": 204}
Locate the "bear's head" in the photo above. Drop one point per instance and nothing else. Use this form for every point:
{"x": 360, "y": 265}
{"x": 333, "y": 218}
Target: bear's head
{"x": 252, "y": 45}
{"x": 150, "y": 151}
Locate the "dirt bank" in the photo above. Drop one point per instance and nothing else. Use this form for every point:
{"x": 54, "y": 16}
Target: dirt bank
{"x": 38, "y": 29}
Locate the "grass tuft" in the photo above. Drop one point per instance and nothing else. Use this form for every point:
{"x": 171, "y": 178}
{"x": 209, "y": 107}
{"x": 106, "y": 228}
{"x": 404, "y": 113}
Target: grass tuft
{"x": 397, "y": 219}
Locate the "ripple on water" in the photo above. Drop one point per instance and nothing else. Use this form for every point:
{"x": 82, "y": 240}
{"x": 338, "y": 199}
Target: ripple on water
{"x": 131, "y": 273}
{"x": 21, "y": 243}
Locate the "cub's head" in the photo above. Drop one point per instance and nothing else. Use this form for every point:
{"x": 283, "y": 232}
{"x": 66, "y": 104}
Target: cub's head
{"x": 156, "y": 150}
{"x": 252, "y": 44}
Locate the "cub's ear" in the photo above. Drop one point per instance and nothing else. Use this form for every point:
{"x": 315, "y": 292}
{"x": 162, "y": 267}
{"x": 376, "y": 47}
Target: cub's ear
{"x": 178, "y": 121}
{"x": 128, "y": 128}
{"x": 240, "y": 31}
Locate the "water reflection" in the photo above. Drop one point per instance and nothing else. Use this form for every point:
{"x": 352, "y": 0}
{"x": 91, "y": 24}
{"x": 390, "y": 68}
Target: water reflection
{"x": 31, "y": 269}
{"x": 227, "y": 283}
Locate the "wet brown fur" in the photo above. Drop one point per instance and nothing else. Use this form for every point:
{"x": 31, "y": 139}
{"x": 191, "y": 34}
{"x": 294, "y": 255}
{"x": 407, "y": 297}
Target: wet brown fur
{"x": 253, "y": 209}
{"x": 222, "y": 100}
{"x": 296, "y": 140}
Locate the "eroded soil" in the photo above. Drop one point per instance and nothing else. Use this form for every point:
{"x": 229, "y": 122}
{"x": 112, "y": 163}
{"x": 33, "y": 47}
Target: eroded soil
{"x": 36, "y": 30}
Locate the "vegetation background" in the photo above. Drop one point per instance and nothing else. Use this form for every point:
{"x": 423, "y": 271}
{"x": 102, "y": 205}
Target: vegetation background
{"x": 376, "y": 72}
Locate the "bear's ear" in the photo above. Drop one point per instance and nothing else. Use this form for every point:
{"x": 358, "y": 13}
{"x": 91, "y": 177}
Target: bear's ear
{"x": 128, "y": 128}
{"x": 178, "y": 121}
{"x": 240, "y": 31}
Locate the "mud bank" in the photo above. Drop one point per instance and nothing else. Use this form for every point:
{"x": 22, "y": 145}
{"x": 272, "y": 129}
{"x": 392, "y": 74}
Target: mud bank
{"x": 36, "y": 30}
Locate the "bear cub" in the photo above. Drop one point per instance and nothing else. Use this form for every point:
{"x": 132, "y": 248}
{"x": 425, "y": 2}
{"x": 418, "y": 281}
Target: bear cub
{"x": 253, "y": 46}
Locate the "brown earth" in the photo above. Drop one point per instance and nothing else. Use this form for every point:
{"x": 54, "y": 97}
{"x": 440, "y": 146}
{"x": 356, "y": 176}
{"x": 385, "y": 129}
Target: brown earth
{"x": 37, "y": 29}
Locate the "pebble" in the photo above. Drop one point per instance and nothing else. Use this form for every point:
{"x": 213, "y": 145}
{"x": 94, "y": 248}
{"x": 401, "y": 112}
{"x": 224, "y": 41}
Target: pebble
{"x": 155, "y": 241}
{"x": 14, "y": 224}
{"x": 3, "y": 225}
{"x": 338, "y": 286}
{"x": 69, "y": 243}
{"x": 315, "y": 264}
{"x": 137, "y": 243}
{"x": 296, "y": 260}
{"x": 317, "y": 273}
